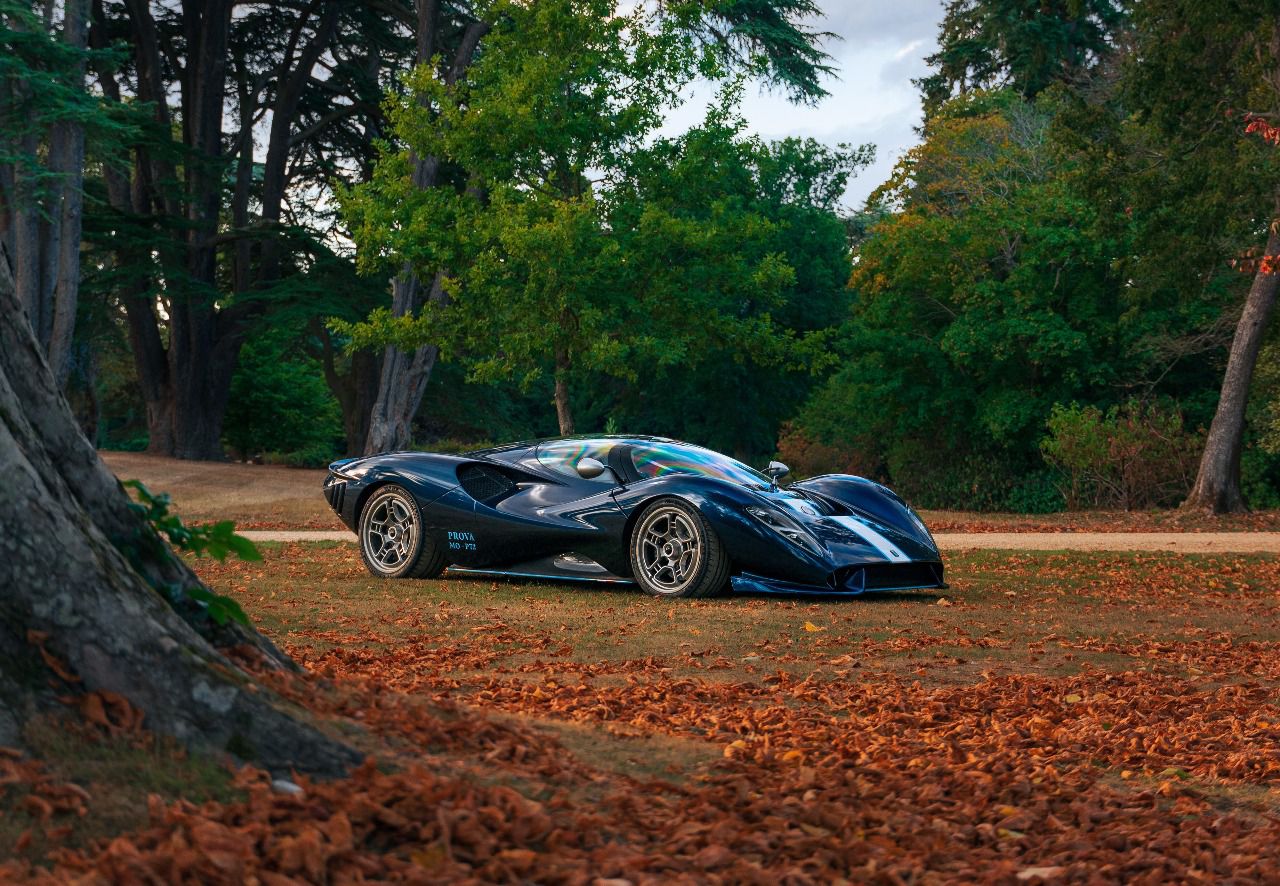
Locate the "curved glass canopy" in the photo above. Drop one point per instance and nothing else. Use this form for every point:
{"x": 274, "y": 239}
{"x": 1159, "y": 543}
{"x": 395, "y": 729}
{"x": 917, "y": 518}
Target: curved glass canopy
{"x": 651, "y": 458}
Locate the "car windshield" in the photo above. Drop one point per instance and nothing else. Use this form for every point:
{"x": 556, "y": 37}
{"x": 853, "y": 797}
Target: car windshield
{"x": 651, "y": 459}
{"x": 659, "y": 459}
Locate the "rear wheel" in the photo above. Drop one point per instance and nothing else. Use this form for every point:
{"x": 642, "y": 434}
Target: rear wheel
{"x": 392, "y": 542}
{"x": 675, "y": 553}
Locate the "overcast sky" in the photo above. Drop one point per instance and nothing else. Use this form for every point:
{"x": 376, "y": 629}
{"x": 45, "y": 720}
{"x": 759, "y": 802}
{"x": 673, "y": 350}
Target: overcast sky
{"x": 881, "y": 45}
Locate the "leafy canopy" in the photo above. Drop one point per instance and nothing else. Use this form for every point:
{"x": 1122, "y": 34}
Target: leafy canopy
{"x": 1025, "y": 45}
{"x": 561, "y": 247}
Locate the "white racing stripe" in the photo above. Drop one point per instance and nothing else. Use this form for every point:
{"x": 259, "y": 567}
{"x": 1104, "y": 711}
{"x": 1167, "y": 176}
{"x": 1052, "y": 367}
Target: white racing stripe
{"x": 873, "y": 538}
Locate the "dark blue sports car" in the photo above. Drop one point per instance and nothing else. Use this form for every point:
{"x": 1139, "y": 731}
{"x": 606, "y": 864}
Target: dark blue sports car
{"x": 677, "y": 519}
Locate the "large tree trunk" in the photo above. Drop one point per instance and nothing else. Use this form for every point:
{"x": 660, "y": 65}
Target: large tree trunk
{"x": 404, "y": 375}
{"x": 66, "y": 160}
{"x": 184, "y": 363}
{"x": 81, "y": 574}
{"x": 1217, "y": 486}
{"x": 201, "y": 364}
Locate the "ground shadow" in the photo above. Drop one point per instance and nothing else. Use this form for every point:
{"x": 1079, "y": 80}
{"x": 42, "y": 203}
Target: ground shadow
{"x": 616, "y": 588}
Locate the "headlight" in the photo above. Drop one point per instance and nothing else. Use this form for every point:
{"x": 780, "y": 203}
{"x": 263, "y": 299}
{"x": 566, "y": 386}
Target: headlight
{"x": 915, "y": 518}
{"x": 784, "y": 526}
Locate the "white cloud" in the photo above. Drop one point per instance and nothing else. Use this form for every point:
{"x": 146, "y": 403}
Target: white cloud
{"x": 908, "y": 50}
{"x": 881, "y": 48}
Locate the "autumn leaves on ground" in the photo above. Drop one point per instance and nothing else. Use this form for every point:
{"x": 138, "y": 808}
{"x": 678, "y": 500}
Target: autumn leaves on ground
{"x": 1051, "y": 717}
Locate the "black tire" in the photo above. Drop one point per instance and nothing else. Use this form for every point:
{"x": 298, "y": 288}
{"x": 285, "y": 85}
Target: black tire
{"x": 392, "y": 542}
{"x": 675, "y": 552}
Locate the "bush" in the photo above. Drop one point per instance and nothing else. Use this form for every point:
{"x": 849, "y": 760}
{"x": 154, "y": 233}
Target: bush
{"x": 317, "y": 455}
{"x": 1260, "y": 476}
{"x": 280, "y": 404}
{"x": 1136, "y": 455}
{"x": 929, "y": 476}
{"x": 807, "y": 457}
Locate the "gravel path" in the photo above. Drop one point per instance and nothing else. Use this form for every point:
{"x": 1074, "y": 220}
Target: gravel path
{"x": 1180, "y": 542}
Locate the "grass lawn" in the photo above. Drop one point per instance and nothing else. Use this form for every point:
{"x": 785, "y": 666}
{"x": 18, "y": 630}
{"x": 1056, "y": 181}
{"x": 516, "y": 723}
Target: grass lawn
{"x": 1083, "y": 717}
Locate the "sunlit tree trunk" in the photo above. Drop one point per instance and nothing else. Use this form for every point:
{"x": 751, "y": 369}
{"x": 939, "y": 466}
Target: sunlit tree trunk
{"x": 564, "y": 412}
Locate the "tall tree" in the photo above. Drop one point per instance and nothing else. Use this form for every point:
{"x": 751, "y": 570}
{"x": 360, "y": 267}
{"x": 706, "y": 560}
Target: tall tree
{"x": 43, "y": 112}
{"x": 982, "y": 300}
{"x": 1025, "y": 45}
{"x": 209, "y": 234}
{"x": 1206, "y": 77}
{"x": 770, "y": 39}
{"x": 404, "y": 373}
{"x": 791, "y": 191}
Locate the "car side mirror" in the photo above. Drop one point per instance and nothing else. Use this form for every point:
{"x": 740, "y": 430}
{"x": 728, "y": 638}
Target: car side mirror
{"x": 776, "y": 471}
{"x": 589, "y": 468}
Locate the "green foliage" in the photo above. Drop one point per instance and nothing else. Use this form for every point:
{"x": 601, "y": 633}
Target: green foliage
{"x": 280, "y": 403}
{"x": 40, "y": 87}
{"x": 994, "y": 480}
{"x": 1134, "y": 455}
{"x": 993, "y": 293}
{"x": 573, "y": 250}
{"x": 766, "y": 37}
{"x": 982, "y": 302}
{"x": 789, "y": 191}
{"x": 216, "y": 540}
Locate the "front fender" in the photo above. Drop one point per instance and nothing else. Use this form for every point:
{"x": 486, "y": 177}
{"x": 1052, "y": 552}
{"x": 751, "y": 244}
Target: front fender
{"x": 872, "y": 500}
{"x": 751, "y": 546}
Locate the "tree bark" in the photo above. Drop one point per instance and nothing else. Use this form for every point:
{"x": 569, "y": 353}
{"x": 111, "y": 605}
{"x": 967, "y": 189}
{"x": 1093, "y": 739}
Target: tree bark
{"x": 292, "y": 79}
{"x": 1217, "y": 486}
{"x": 355, "y": 390}
{"x": 185, "y": 363}
{"x": 564, "y": 414}
{"x": 81, "y": 574}
{"x": 42, "y": 200}
{"x": 404, "y": 375}
{"x": 66, "y": 160}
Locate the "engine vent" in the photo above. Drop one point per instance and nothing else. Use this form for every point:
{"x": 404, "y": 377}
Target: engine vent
{"x": 484, "y": 483}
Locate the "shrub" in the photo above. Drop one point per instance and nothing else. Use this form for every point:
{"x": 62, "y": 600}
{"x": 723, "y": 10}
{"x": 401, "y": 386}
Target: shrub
{"x": 807, "y": 457}
{"x": 1135, "y": 455}
{"x": 280, "y": 404}
{"x": 931, "y": 476}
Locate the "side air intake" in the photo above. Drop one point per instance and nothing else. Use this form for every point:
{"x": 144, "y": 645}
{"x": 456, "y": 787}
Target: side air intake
{"x": 484, "y": 483}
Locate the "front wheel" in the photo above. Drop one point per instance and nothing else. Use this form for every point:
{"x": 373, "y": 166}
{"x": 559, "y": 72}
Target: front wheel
{"x": 392, "y": 542}
{"x": 675, "y": 553}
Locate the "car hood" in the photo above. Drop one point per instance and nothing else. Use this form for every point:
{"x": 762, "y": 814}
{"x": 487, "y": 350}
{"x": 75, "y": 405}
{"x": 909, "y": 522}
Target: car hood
{"x": 849, "y": 535}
